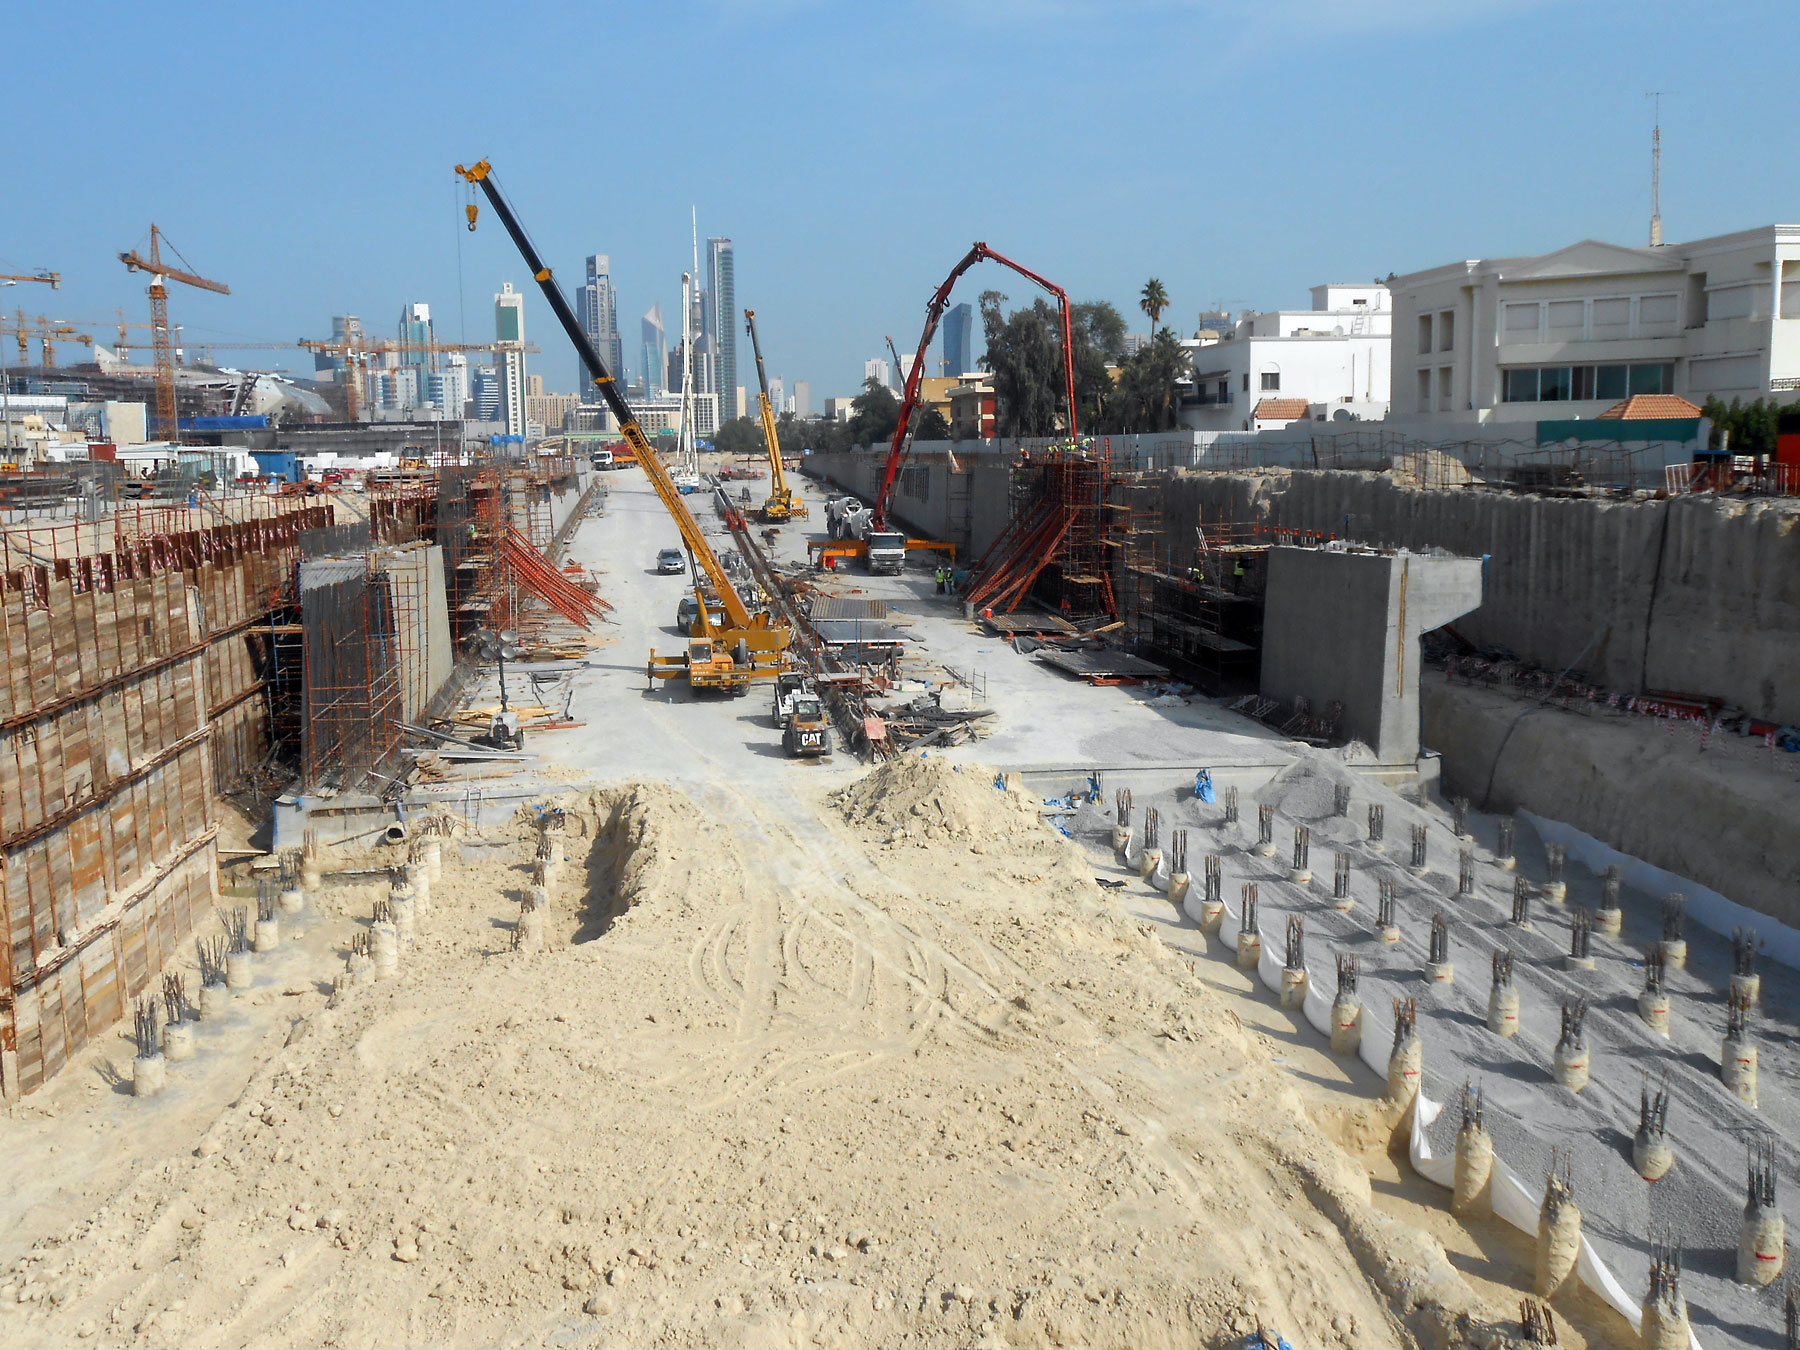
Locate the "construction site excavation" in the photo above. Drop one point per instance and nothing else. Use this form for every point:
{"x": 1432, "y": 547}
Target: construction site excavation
{"x": 650, "y": 881}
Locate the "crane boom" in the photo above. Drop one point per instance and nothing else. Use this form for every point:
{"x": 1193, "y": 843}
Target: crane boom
{"x": 934, "y": 311}
{"x": 782, "y": 503}
{"x": 736, "y": 615}
{"x": 52, "y": 279}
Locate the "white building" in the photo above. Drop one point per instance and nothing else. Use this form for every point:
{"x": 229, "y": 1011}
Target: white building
{"x": 1327, "y": 363}
{"x": 879, "y": 371}
{"x": 509, "y": 334}
{"x": 450, "y": 384}
{"x": 1568, "y": 334}
{"x": 801, "y": 398}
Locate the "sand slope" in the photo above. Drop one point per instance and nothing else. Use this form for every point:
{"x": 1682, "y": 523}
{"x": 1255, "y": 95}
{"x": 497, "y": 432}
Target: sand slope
{"x": 881, "y": 1070}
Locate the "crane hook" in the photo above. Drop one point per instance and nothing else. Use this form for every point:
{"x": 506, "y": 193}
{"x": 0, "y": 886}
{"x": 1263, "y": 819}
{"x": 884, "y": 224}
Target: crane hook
{"x": 472, "y": 210}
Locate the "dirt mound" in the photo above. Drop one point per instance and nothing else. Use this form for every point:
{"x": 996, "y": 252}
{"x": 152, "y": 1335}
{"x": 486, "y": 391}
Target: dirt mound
{"x": 928, "y": 799}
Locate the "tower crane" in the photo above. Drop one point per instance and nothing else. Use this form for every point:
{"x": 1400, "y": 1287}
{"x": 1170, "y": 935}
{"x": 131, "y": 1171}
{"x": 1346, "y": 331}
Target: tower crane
{"x": 783, "y": 502}
{"x": 725, "y": 656}
{"x": 51, "y": 279}
{"x": 161, "y": 338}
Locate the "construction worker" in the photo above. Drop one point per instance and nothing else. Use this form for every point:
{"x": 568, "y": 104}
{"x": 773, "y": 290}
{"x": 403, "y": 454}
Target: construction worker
{"x": 1237, "y": 576}
{"x": 940, "y": 581}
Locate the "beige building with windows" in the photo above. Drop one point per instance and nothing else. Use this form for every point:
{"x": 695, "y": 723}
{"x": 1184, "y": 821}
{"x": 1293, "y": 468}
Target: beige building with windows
{"x": 1571, "y": 333}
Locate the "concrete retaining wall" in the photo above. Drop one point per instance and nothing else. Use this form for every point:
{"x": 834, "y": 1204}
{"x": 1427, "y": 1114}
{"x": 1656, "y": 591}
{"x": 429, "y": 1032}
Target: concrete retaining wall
{"x": 1692, "y": 594}
{"x": 1627, "y": 783}
{"x": 970, "y": 509}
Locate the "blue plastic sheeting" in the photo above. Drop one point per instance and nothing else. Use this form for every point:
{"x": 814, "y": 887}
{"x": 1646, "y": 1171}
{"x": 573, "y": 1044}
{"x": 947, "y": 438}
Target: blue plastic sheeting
{"x": 1203, "y": 788}
{"x": 258, "y": 423}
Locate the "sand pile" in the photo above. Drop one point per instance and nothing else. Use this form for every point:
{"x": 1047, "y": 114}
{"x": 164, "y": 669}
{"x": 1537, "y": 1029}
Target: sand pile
{"x": 926, "y": 799}
{"x": 773, "y": 1082}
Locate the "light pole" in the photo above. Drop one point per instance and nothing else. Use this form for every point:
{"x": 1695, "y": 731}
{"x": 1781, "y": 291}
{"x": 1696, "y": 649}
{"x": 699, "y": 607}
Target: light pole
{"x": 6, "y": 386}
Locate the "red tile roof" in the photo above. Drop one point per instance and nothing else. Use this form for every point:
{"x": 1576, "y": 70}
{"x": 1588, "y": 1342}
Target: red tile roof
{"x": 1280, "y": 409}
{"x": 1644, "y": 407}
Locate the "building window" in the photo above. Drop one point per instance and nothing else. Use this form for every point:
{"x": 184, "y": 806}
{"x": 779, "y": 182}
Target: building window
{"x": 1224, "y": 391}
{"x": 1566, "y": 318}
{"x": 1271, "y": 381}
{"x": 1424, "y": 391}
{"x": 1443, "y": 387}
{"x": 1521, "y": 318}
{"x": 1657, "y": 310}
{"x": 1447, "y": 330}
{"x": 1424, "y": 335}
{"x": 1246, "y": 381}
{"x": 1562, "y": 384}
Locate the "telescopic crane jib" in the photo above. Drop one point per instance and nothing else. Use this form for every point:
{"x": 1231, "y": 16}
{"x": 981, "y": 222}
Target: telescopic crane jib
{"x": 746, "y": 647}
{"x": 783, "y": 502}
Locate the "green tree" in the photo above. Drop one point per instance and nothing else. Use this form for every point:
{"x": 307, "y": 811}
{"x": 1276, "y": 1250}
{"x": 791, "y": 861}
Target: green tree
{"x": 1099, "y": 334}
{"x": 1147, "y": 397}
{"x": 1153, "y": 300}
{"x": 930, "y": 425}
{"x": 874, "y": 414}
{"x": 739, "y": 436}
{"x": 1024, "y": 353}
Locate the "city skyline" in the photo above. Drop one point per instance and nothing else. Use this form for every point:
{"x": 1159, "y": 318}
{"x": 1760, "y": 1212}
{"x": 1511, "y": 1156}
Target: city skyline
{"x": 860, "y": 260}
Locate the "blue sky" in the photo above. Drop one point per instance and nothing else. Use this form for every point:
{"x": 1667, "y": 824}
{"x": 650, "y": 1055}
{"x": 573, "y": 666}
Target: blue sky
{"x": 1239, "y": 151}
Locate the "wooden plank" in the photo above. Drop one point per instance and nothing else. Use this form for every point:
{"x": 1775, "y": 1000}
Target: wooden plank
{"x": 50, "y": 1027}
{"x": 100, "y": 985}
{"x": 27, "y": 1023}
{"x": 20, "y": 921}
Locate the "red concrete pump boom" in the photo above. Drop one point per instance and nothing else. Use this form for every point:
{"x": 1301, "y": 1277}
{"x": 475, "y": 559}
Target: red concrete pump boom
{"x": 934, "y": 311}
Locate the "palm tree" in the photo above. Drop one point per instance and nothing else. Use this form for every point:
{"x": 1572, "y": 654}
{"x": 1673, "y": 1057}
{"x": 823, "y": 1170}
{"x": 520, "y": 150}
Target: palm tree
{"x": 1153, "y": 301}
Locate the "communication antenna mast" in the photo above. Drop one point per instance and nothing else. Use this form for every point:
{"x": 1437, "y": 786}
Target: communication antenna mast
{"x": 1656, "y": 95}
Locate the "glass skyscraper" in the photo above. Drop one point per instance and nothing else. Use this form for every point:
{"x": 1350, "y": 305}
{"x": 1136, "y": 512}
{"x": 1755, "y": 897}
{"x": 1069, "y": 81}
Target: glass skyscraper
{"x": 955, "y": 337}
{"x": 721, "y": 286}
{"x": 598, "y": 306}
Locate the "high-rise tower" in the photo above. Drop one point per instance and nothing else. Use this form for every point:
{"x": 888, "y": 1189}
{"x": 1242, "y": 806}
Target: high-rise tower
{"x": 653, "y": 351}
{"x": 598, "y": 305}
{"x": 509, "y": 334}
{"x": 721, "y": 286}
{"x": 956, "y": 341}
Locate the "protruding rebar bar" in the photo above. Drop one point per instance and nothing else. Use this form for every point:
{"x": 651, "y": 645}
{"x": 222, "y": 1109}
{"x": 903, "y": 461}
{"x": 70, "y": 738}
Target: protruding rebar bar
{"x": 175, "y": 1000}
{"x": 1346, "y": 976}
{"x": 1152, "y": 828}
{"x": 1465, "y": 871}
{"x": 1459, "y": 815}
{"x": 1745, "y": 945}
{"x": 1472, "y": 1106}
{"x": 1761, "y": 1172}
{"x": 1419, "y": 834}
{"x": 1506, "y": 832}
{"x": 236, "y": 923}
{"x": 1611, "y": 886}
{"x": 1503, "y": 968}
{"x": 146, "y": 1028}
{"x": 1231, "y": 806}
{"x": 1665, "y": 1266}
{"x": 1340, "y": 799}
{"x": 1296, "y": 944}
{"x": 1215, "y": 879}
{"x": 1574, "y": 1016}
{"x": 1406, "y": 1019}
{"x": 1521, "y": 906}
{"x": 1387, "y": 892}
{"x": 1302, "y": 847}
{"x": 1340, "y": 876}
{"x": 1674, "y": 917}
{"x": 1440, "y": 938}
{"x": 1265, "y": 824}
{"x": 1537, "y": 1322}
{"x": 211, "y": 953}
{"x": 1247, "y": 909}
{"x": 1377, "y": 823}
{"x": 1122, "y": 805}
{"x": 1555, "y": 855}
{"x": 1653, "y": 1109}
{"x": 1178, "y": 851}
{"x": 1581, "y": 930}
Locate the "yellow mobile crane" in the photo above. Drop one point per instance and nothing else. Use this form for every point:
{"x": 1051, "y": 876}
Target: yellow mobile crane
{"x": 725, "y": 656}
{"x": 783, "y": 503}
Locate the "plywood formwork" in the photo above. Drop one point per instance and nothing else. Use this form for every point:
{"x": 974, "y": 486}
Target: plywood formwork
{"x": 123, "y": 674}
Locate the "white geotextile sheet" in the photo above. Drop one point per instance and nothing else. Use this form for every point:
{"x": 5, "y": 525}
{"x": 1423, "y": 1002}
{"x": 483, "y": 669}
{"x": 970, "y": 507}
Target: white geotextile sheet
{"x": 1705, "y": 907}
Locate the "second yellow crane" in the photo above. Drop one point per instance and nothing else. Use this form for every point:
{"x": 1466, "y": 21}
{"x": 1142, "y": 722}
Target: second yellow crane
{"x": 783, "y": 502}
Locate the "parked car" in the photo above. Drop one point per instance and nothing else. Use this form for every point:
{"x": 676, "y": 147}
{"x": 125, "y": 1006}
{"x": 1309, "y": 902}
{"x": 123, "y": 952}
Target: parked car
{"x": 671, "y": 560}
